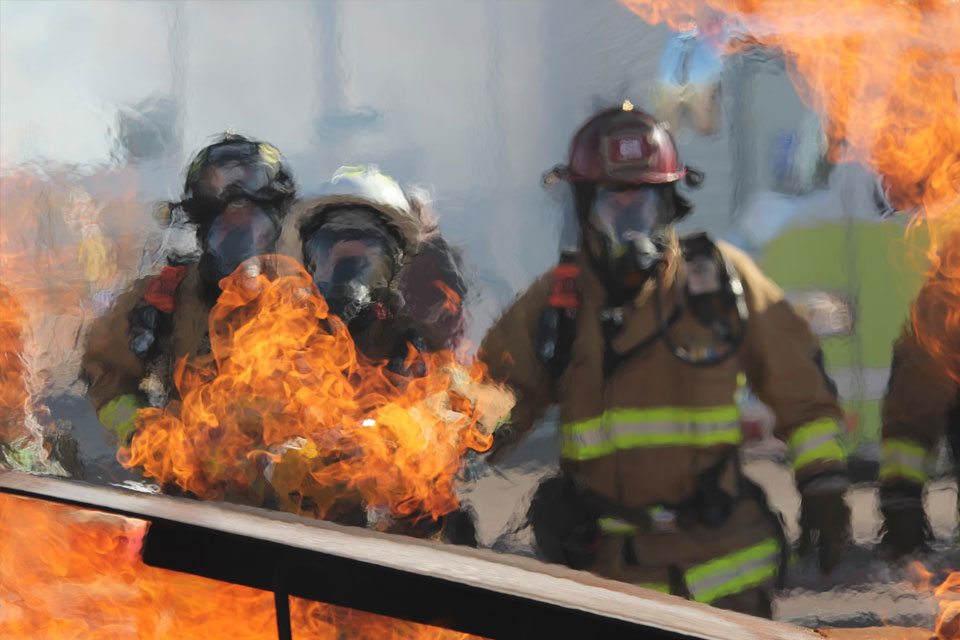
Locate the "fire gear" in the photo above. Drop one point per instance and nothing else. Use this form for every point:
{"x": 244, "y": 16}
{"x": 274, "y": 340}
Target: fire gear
{"x": 921, "y": 405}
{"x": 713, "y": 290}
{"x": 150, "y": 319}
{"x": 825, "y": 524}
{"x": 642, "y": 435}
{"x": 241, "y": 231}
{"x": 351, "y": 256}
{"x": 623, "y": 166}
{"x": 236, "y": 167}
{"x": 367, "y": 246}
{"x": 128, "y": 361}
{"x": 622, "y": 146}
{"x": 630, "y": 225}
{"x": 905, "y": 526}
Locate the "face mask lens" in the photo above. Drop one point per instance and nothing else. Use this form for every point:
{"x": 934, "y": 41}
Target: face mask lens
{"x": 622, "y": 214}
{"x": 336, "y": 259}
{"x": 238, "y": 234}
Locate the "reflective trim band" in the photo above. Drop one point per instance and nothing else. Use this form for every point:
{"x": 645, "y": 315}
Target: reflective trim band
{"x": 654, "y": 586}
{"x": 903, "y": 459}
{"x": 656, "y": 427}
{"x": 734, "y": 572}
{"x": 616, "y": 527}
{"x": 816, "y": 442}
{"x": 118, "y": 416}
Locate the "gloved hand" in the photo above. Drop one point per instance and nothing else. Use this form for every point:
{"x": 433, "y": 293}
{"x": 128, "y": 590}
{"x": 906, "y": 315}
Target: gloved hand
{"x": 824, "y": 524}
{"x": 905, "y": 526}
{"x": 565, "y": 530}
{"x": 146, "y": 324}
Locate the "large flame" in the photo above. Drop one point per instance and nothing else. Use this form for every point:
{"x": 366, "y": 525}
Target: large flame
{"x": 73, "y": 573}
{"x": 55, "y": 264}
{"x": 883, "y": 76}
{"x": 283, "y": 405}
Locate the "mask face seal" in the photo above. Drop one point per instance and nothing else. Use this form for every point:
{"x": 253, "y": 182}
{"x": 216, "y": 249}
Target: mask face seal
{"x": 628, "y": 226}
{"x": 352, "y": 258}
{"x": 242, "y": 231}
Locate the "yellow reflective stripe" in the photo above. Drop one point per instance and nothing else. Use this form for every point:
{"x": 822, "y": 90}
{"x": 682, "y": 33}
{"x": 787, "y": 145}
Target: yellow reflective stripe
{"x": 734, "y": 572}
{"x": 118, "y": 416}
{"x": 616, "y": 527}
{"x": 654, "y": 586}
{"x": 903, "y": 459}
{"x": 653, "y": 427}
{"x": 583, "y": 426}
{"x": 269, "y": 153}
{"x": 816, "y": 441}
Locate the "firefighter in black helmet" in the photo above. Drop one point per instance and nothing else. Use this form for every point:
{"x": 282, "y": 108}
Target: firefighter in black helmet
{"x": 235, "y": 196}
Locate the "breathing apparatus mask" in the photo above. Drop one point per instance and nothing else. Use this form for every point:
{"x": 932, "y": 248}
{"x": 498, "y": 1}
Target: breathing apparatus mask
{"x": 243, "y": 230}
{"x": 353, "y": 258}
{"x": 626, "y": 229}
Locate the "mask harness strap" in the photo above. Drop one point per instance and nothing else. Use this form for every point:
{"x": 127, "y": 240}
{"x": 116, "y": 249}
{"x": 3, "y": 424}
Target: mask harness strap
{"x": 734, "y": 293}
{"x": 612, "y": 323}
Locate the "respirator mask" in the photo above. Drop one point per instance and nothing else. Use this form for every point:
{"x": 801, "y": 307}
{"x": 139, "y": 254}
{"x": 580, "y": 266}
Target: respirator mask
{"x": 353, "y": 259}
{"x": 627, "y": 228}
{"x": 243, "y": 230}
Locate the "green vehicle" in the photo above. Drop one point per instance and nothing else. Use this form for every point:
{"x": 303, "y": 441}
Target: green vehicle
{"x": 855, "y": 286}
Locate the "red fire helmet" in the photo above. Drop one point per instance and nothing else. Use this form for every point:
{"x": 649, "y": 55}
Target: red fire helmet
{"x": 623, "y": 146}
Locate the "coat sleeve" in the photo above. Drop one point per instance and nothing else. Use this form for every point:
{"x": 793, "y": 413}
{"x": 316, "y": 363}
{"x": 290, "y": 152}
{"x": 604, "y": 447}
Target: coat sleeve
{"x": 784, "y": 366}
{"x": 509, "y": 352}
{"x": 918, "y": 400}
{"x": 111, "y": 369}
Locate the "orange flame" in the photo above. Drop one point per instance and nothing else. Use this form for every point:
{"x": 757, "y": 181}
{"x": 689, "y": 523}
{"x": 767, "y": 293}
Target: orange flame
{"x": 936, "y": 311}
{"x": 284, "y": 406}
{"x": 451, "y": 303}
{"x": 883, "y": 76}
{"x": 73, "y": 573}
{"x": 948, "y": 596}
{"x": 319, "y": 621}
{"x": 14, "y": 393}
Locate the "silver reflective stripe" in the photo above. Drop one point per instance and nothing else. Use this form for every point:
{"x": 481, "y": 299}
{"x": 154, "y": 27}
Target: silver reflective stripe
{"x": 685, "y": 432}
{"x": 712, "y": 582}
{"x": 813, "y": 443}
{"x": 905, "y": 458}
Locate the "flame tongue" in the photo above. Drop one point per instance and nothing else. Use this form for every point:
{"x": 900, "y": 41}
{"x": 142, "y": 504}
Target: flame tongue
{"x": 14, "y": 393}
{"x": 284, "y": 409}
{"x": 936, "y": 311}
{"x": 948, "y": 598}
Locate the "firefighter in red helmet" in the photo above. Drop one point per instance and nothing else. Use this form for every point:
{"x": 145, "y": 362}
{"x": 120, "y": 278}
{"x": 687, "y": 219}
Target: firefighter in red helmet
{"x": 640, "y": 336}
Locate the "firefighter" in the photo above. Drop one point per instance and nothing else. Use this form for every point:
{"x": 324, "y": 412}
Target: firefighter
{"x": 639, "y": 336}
{"x": 380, "y": 263}
{"x": 378, "y": 259}
{"x": 236, "y": 194}
{"x": 921, "y": 405}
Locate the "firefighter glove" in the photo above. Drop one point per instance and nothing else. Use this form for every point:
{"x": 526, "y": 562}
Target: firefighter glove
{"x": 905, "y": 526}
{"x": 824, "y": 525}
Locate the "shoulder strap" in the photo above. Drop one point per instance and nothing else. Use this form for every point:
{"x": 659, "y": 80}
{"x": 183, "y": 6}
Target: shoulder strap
{"x": 557, "y": 324}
